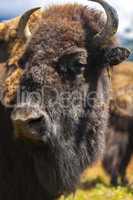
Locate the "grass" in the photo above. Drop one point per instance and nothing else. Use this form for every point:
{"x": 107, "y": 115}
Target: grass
{"x": 95, "y": 186}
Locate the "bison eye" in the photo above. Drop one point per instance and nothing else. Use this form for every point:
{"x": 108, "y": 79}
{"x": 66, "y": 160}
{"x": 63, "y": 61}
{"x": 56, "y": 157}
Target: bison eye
{"x": 73, "y": 61}
{"x": 68, "y": 64}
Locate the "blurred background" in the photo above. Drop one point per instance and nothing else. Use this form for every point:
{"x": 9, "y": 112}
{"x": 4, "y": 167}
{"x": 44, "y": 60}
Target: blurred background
{"x": 10, "y": 9}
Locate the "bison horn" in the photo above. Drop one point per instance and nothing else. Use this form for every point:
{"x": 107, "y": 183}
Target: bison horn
{"x": 23, "y": 30}
{"x": 111, "y": 26}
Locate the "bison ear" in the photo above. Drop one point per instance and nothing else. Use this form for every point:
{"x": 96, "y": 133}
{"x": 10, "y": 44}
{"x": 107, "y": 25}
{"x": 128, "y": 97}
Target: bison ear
{"x": 114, "y": 56}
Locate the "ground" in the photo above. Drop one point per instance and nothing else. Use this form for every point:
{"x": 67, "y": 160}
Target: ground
{"x": 95, "y": 186}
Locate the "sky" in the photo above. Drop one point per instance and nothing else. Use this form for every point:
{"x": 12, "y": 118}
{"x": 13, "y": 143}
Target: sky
{"x": 12, "y": 8}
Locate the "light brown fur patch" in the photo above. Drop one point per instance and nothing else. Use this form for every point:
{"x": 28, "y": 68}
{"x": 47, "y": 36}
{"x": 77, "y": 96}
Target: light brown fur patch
{"x": 11, "y": 85}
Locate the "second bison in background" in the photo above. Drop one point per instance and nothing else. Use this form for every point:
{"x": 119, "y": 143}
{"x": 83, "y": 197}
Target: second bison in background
{"x": 119, "y": 137}
{"x": 61, "y": 102}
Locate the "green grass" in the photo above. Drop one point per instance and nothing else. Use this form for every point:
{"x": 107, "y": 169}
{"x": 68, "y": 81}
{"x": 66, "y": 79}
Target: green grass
{"x": 101, "y": 192}
{"x": 95, "y": 186}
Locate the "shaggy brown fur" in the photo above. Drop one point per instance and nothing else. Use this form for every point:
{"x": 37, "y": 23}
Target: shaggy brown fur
{"x": 13, "y": 50}
{"x": 13, "y": 46}
{"x": 60, "y": 56}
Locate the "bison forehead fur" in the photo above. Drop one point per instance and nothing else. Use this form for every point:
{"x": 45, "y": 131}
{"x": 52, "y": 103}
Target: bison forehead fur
{"x": 65, "y": 136}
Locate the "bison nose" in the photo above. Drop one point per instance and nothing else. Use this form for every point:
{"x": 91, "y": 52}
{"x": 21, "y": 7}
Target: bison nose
{"x": 27, "y": 122}
{"x": 25, "y": 114}
{"x": 31, "y": 123}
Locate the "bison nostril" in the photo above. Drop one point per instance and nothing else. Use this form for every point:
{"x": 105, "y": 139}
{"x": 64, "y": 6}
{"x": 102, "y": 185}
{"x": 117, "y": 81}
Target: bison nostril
{"x": 37, "y": 120}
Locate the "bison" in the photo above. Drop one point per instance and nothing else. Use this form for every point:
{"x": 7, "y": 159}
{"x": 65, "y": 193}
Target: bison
{"x": 56, "y": 100}
{"x": 119, "y": 138}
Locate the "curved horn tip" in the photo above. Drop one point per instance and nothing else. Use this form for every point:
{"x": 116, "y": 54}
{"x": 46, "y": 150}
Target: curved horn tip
{"x": 42, "y": 9}
{"x": 23, "y": 30}
{"x": 111, "y": 26}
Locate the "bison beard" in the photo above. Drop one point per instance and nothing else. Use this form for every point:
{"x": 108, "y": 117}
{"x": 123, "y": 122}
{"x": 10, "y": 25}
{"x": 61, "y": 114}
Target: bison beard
{"x": 49, "y": 154}
{"x": 46, "y": 171}
{"x": 65, "y": 161}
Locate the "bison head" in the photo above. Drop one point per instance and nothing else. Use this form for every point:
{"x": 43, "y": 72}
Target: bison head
{"x": 61, "y": 105}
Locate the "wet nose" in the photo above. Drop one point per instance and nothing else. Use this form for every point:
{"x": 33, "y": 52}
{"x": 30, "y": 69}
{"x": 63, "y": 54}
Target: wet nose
{"x": 31, "y": 123}
{"x": 26, "y": 120}
{"x": 25, "y": 114}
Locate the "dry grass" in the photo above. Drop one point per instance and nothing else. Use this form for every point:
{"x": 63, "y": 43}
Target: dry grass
{"x": 122, "y": 89}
